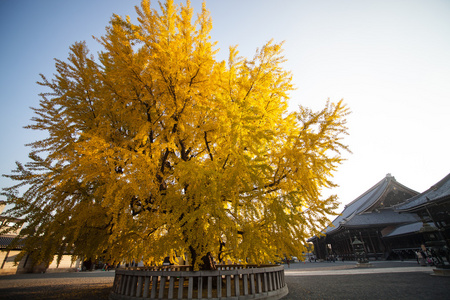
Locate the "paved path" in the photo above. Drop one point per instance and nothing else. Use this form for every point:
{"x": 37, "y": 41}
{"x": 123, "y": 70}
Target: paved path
{"x": 340, "y": 280}
{"x": 350, "y": 268}
{"x": 384, "y": 280}
{"x": 83, "y": 285}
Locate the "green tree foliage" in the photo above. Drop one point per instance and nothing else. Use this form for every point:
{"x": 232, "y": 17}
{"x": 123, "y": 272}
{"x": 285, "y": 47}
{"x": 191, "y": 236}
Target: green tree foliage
{"x": 155, "y": 146}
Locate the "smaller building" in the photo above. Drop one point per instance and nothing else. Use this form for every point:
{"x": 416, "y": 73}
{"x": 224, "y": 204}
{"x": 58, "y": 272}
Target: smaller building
{"x": 433, "y": 209}
{"x": 367, "y": 218}
{"x": 9, "y": 252}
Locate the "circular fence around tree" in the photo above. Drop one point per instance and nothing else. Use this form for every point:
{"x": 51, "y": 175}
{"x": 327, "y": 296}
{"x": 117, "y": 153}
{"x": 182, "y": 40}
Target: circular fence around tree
{"x": 178, "y": 282}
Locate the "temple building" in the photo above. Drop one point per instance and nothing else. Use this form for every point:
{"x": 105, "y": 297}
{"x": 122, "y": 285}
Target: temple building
{"x": 368, "y": 218}
{"x": 433, "y": 209}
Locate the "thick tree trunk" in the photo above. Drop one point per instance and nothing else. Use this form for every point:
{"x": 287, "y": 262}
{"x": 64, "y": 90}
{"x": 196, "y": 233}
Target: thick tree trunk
{"x": 206, "y": 263}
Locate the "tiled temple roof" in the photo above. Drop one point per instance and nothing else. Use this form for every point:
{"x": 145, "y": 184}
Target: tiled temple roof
{"x": 382, "y": 218}
{"x": 406, "y": 229}
{"x": 6, "y": 240}
{"x": 375, "y": 207}
{"x": 439, "y": 191}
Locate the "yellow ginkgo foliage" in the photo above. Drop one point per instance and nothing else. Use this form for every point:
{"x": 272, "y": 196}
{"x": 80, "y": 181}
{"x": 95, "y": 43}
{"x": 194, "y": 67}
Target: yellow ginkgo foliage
{"x": 154, "y": 147}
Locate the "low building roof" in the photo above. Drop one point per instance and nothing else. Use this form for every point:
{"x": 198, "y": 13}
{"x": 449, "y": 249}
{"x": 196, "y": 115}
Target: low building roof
{"x": 406, "y": 229}
{"x": 6, "y": 240}
{"x": 438, "y": 192}
{"x": 380, "y": 218}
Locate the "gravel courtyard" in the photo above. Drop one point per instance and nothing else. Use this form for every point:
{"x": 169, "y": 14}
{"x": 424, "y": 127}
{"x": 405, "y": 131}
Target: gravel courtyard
{"x": 385, "y": 280}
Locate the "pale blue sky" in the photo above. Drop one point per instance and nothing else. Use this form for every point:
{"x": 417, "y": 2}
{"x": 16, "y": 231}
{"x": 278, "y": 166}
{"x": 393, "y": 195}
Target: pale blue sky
{"x": 388, "y": 60}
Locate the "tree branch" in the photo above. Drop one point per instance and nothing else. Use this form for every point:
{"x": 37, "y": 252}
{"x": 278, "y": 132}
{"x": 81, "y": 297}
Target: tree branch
{"x": 207, "y": 146}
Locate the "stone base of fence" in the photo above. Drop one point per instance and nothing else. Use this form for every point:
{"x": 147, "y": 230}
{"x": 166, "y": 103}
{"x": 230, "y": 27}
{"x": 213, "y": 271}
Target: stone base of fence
{"x": 178, "y": 282}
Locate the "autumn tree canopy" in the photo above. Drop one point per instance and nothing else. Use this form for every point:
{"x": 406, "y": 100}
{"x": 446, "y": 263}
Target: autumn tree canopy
{"x": 155, "y": 146}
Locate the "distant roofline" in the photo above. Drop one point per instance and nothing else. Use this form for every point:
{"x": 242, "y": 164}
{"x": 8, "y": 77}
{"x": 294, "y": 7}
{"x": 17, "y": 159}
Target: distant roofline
{"x": 434, "y": 187}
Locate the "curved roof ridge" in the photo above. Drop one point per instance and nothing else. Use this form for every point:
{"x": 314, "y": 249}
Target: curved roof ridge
{"x": 369, "y": 190}
{"x": 391, "y": 184}
{"x": 351, "y": 209}
{"x": 405, "y": 187}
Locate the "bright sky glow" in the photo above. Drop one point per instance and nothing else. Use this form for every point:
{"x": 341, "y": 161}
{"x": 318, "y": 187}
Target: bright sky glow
{"x": 388, "y": 59}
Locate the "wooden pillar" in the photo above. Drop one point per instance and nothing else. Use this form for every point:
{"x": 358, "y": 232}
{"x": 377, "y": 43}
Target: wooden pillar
{"x": 362, "y": 240}
{"x": 383, "y": 246}
{"x": 350, "y": 245}
{"x": 371, "y": 243}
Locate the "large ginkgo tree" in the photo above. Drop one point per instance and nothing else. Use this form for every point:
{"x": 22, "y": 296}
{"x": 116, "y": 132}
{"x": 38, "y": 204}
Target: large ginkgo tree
{"x": 155, "y": 147}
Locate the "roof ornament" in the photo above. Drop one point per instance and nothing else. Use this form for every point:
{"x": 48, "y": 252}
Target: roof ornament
{"x": 389, "y": 175}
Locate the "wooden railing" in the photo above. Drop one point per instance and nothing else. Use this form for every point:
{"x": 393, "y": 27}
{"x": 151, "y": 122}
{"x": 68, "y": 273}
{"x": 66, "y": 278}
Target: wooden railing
{"x": 178, "y": 282}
